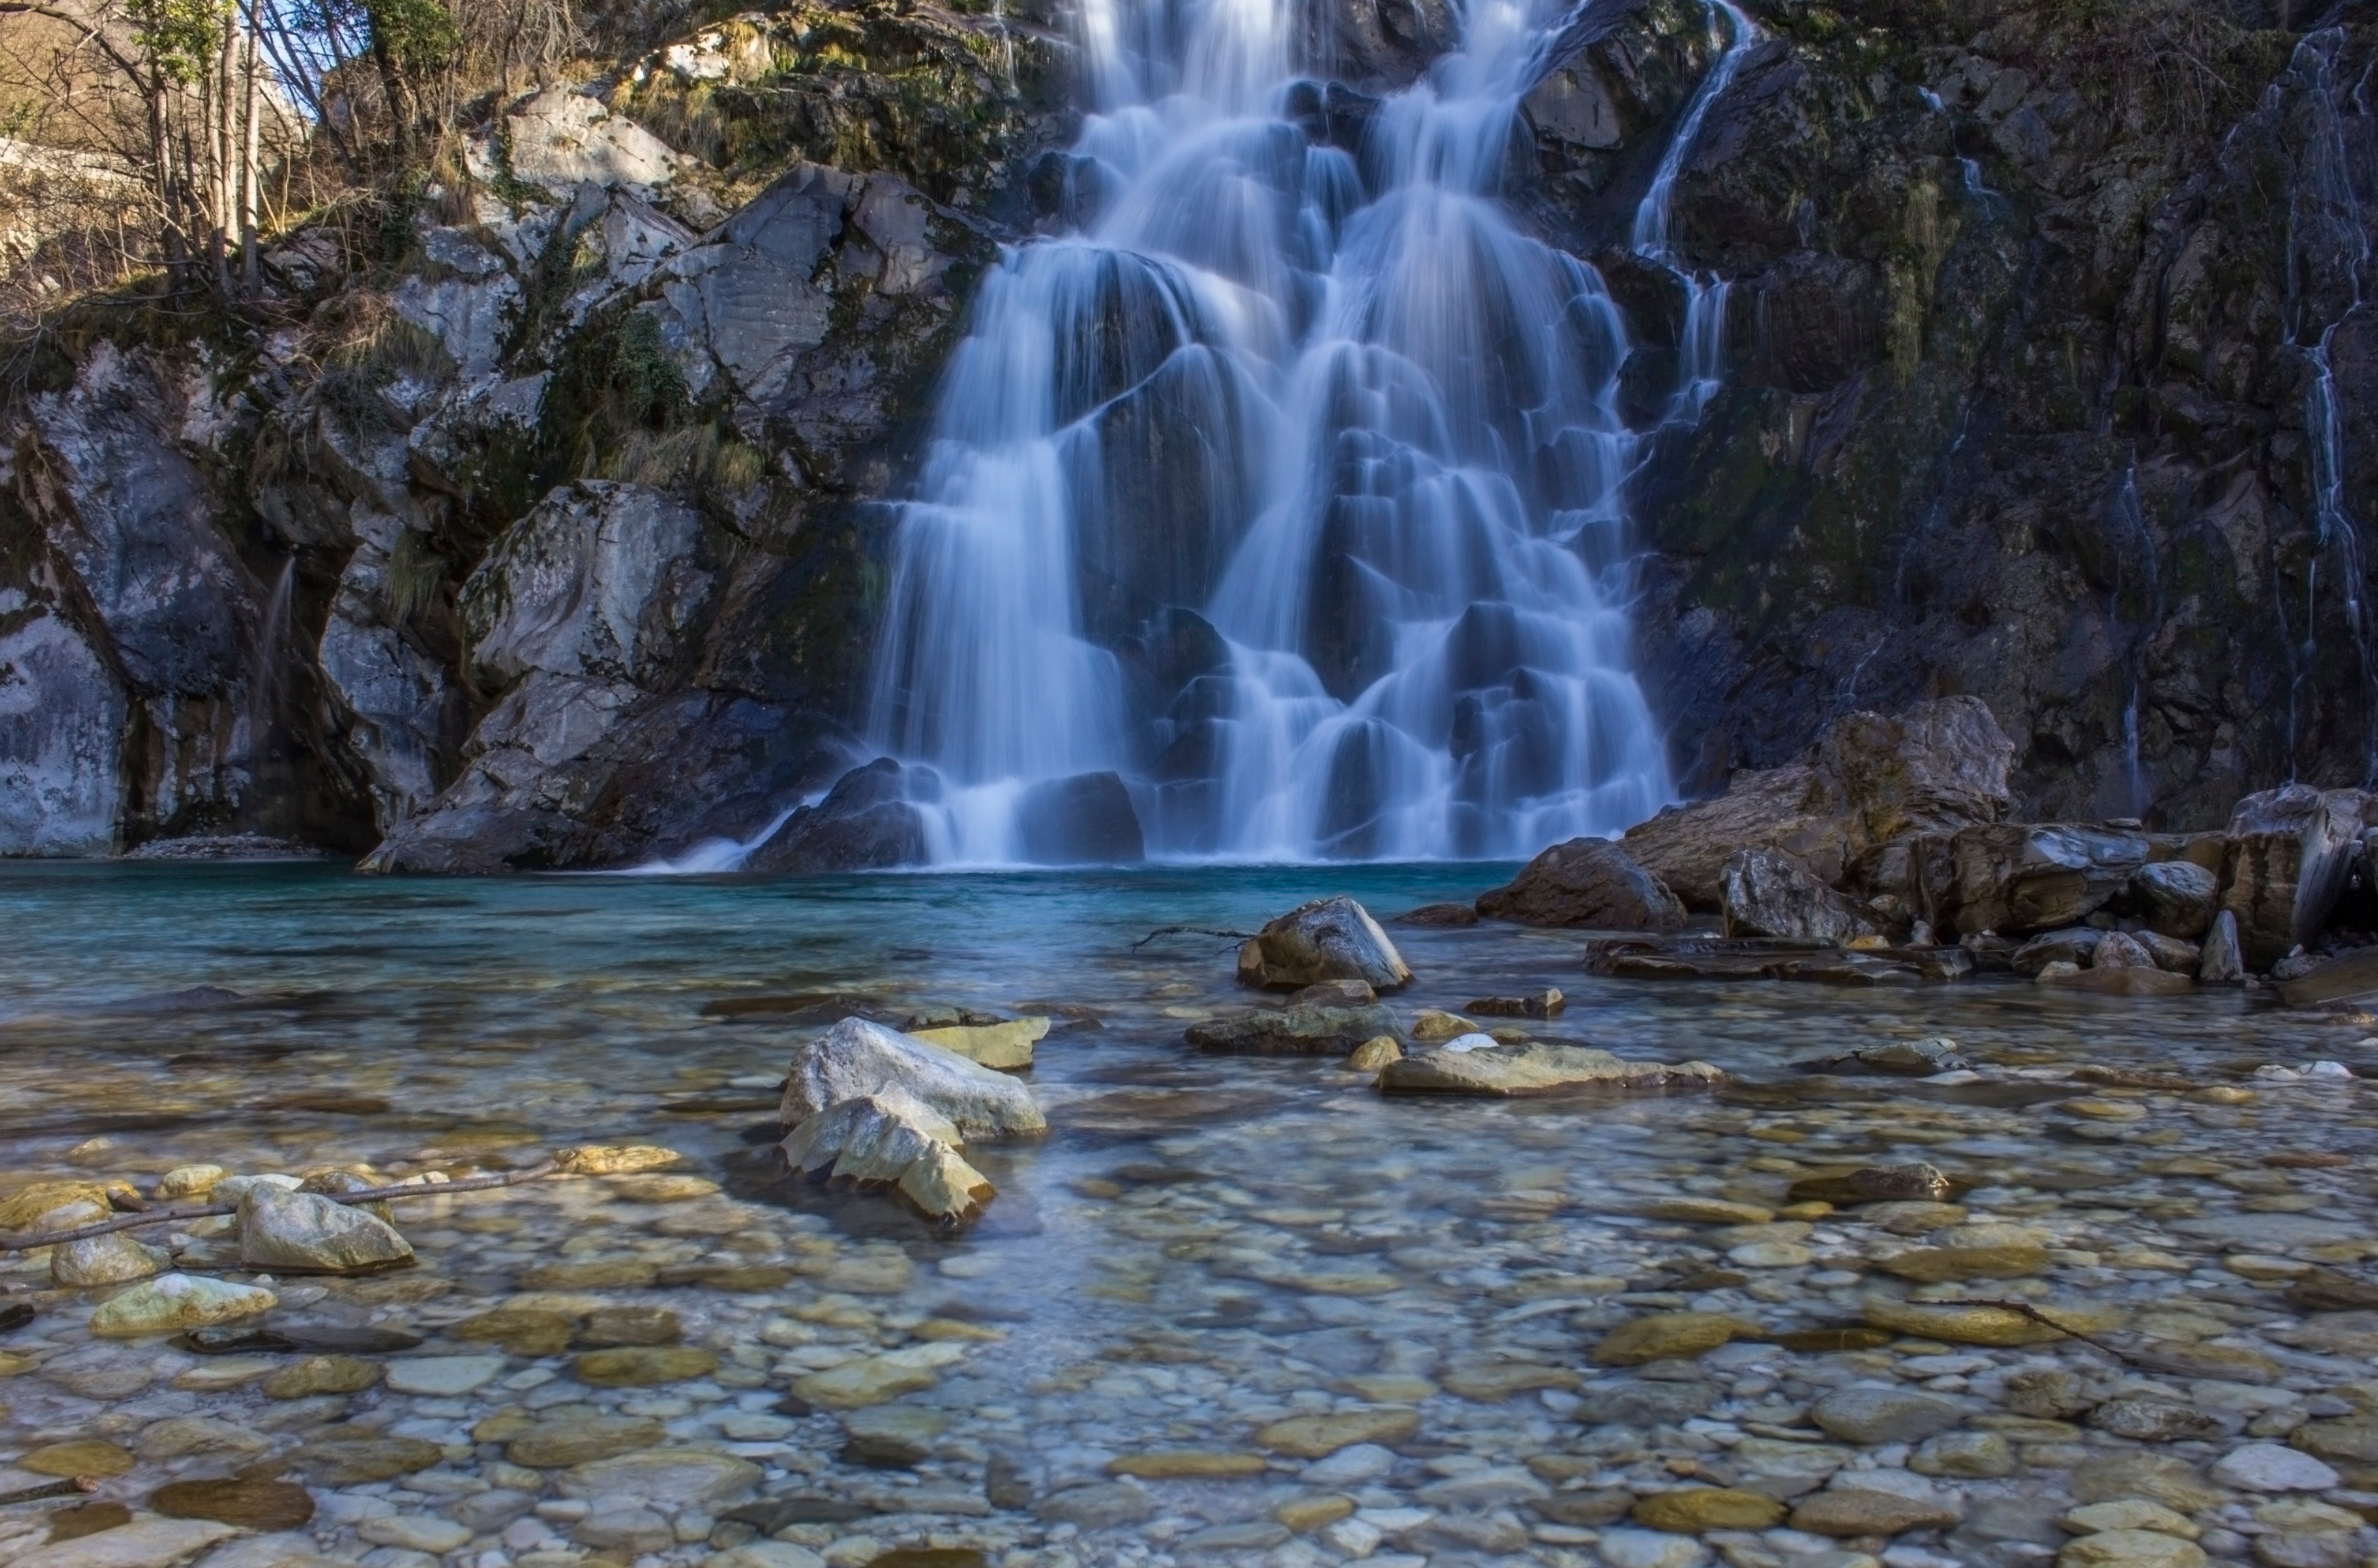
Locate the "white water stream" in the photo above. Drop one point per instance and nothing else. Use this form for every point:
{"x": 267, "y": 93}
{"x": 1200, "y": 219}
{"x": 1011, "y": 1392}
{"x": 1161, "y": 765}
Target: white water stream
{"x": 1290, "y": 487}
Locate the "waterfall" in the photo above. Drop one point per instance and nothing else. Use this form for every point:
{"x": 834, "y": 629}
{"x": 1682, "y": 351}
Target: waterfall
{"x": 253, "y": 733}
{"x": 1701, "y": 358}
{"x": 2329, "y": 258}
{"x": 1287, "y": 488}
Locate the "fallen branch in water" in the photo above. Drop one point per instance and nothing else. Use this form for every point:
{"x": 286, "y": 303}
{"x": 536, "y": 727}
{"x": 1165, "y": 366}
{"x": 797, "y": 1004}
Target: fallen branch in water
{"x": 369, "y": 1195}
{"x": 2025, "y": 1309}
{"x": 80, "y": 1486}
{"x": 1191, "y": 930}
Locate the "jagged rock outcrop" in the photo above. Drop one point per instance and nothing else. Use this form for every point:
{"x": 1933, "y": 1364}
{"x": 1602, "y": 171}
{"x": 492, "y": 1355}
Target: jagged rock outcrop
{"x": 260, "y": 591}
{"x": 579, "y": 613}
{"x": 2017, "y": 877}
{"x": 1767, "y": 892}
{"x": 1867, "y": 785}
{"x": 2291, "y": 851}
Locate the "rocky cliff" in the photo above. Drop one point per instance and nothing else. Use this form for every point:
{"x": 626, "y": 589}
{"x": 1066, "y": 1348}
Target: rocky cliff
{"x": 544, "y": 527}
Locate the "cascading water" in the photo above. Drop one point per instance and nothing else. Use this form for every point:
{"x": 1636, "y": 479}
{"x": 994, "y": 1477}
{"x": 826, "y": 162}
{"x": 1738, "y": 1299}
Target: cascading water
{"x": 2330, "y": 259}
{"x": 1288, "y": 488}
{"x": 1700, "y": 359}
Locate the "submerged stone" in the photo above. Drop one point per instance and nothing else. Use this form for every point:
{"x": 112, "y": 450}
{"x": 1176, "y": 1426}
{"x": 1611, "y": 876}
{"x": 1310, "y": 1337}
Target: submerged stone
{"x": 1537, "y": 1068}
{"x": 251, "y": 1502}
{"x": 1665, "y": 1336}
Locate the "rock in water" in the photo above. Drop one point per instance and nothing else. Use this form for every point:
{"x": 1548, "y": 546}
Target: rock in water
{"x": 1769, "y": 893}
{"x": 1006, "y": 1046}
{"x": 871, "y": 1139}
{"x": 613, "y": 1159}
{"x": 2291, "y": 851}
{"x": 855, "y": 1059}
{"x": 2344, "y": 978}
{"x": 1901, "y": 1058}
{"x": 1547, "y": 1003}
{"x": 175, "y": 1301}
{"x": 1537, "y": 1068}
{"x": 1298, "y": 1030}
{"x": 1938, "y": 767}
{"x": 1329, "y": 938}
{"x": 940, "y": 1182}
{"x": 891, "y": 1137}
{"x": 2223, "y": 962}
{"x": 308, "y": 1233}
{"x": 2170, "y": 953}
{"x": 2174, "y": 897}
{"x": 1455, "y": 915}
{"x": 1587, "y": 881}
{"x": 865, "y": 824}
{"x": 2032, "y": 877}
{"x": 113, "y": 1259}
{"x": 2073, "y": 945}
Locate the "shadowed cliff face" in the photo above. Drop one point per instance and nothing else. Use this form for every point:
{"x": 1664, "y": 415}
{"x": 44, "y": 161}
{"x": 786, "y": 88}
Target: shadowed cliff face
{"x": 544, "y": 530}
{"x": 2049, "y": 382}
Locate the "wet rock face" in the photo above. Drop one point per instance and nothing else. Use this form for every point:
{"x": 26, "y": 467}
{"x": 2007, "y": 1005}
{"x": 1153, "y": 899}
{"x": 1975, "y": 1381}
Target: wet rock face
{"x": 579, "y": 611}
{"x": 1767, "y": 892}
{"x": 2010, "y": 411}
{"x": 2028, "y": 876}
{"x": 865, "y": 824}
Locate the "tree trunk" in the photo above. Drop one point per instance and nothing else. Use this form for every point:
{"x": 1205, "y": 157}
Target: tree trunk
{"x": 250, "y": 163}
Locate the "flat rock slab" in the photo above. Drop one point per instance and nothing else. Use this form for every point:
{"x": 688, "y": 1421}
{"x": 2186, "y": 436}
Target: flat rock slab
{"x": 2269, "y": 1233}
{"x": 1317, "y": 1437}
{"x": 1712, "y": 958}
{"x": 1537, "y": 1068}
{"x": 2122, "y": 983}
{"x": 252, "y": 1502}
{"x": 150, "y": 1543}
{"x": 2347, "y": 978}
{"x": 1988, "y": 1325}
{"x": 1303, "y": 1029}
{"x": 679, "y": 1476}
{"x": 443, "y": 1376}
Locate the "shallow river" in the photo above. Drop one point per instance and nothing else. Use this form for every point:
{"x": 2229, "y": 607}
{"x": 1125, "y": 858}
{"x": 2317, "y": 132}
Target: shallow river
{"x": 1202, "y": 1249}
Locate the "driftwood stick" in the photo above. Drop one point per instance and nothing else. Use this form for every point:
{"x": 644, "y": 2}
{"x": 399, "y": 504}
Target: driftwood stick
{"x": 202, "y": 1211}
{"x": 79, "y": 1487}
{"x": 1192, "y": 931}
{"x": 2027, "y": 1309}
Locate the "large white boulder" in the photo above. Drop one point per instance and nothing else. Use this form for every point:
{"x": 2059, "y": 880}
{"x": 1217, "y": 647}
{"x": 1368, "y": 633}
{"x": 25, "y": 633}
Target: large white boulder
{"x": 857, "y": 1059}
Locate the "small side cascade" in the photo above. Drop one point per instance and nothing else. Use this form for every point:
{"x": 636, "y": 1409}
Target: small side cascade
{"x": 264, "y": 676}
{"x": 2128, "y": 510}
{"x": 2329, "y": 262}
{"x": 1701, "y": 358}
